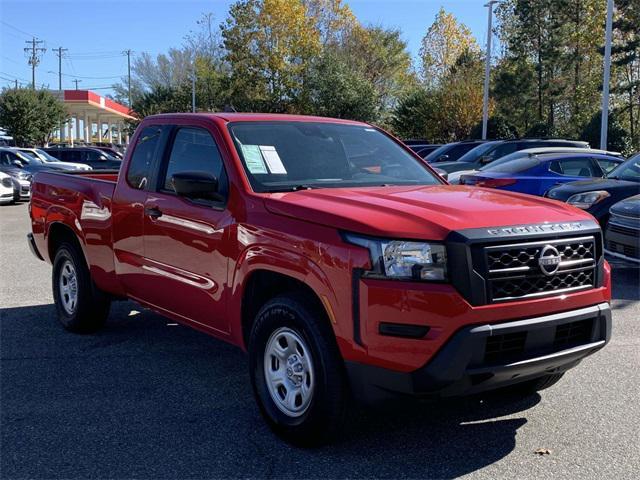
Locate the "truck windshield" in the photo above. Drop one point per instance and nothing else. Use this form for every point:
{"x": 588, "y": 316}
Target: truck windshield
{"x": 284, "y": 156}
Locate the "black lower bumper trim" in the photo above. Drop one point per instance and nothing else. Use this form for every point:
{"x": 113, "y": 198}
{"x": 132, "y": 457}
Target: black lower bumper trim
{"x": 32, "y": 246}
{"x": 461, "y": 366}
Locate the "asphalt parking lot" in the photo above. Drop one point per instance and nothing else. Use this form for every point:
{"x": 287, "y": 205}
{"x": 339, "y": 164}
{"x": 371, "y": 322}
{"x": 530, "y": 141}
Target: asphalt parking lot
{"x": 146, "y": 399}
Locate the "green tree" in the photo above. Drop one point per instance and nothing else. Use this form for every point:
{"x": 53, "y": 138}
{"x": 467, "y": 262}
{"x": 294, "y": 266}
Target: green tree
{"x": 618, "y": 138}
{"x": 270, "y": 45}
{"x": 551, "y": 64}
{"x": 415, "y": 115}
{"x": 445, "y": 40}
{"x": 626, "y": 60}
{"x": 30, "y": 116}
{"x": 498, "y": 128}
{"x": 540, "y": 130}
{"x": 336, "y": 90}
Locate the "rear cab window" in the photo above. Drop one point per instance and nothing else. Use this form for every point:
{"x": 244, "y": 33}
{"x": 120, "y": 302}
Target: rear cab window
{"x": 142, "y": 160}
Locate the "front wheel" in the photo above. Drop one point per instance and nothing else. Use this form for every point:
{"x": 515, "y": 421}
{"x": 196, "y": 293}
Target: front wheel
{"x": 81, "y": 306}
{"x": 296, "y": 371}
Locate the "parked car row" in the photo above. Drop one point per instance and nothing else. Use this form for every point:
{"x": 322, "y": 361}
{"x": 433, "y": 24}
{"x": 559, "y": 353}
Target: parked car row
{"x": 598, "y": 181}
{"x": 115, "y": 150}
{"x": 21, "y": 164}
{"x": 95, "y": 157}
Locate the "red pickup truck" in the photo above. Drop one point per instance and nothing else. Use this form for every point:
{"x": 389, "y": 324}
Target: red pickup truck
{"x": 333, "y": 255}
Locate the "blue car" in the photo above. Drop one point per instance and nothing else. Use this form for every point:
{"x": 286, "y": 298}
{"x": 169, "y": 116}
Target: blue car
{"x": 535, "y": 174}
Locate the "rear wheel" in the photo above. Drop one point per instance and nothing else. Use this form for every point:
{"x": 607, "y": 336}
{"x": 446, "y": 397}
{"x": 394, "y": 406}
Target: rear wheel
{"x": 81, "y": 306}
{"x": 296, "y": 372}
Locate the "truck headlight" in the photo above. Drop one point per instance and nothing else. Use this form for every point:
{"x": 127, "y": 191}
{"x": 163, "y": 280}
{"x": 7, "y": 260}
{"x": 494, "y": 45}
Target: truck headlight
{"x": 403, "y": 259}
{"x": 588, "y": 199}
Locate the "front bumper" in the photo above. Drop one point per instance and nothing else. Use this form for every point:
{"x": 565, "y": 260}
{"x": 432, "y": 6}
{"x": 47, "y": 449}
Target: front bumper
{"x": 489, "y": 356}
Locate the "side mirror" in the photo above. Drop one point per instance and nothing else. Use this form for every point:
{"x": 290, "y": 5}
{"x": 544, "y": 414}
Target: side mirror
{"x": 486, "y": 159}
{"x": 442, "y": 158}
{"x": 17, "y": 163}
{"x": 196, "y": 185}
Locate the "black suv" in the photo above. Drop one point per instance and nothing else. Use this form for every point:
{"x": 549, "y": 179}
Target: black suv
{"x": 96, "y": 159}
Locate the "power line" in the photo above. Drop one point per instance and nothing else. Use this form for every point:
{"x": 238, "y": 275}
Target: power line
{"x": 76, "y": 81}
{"x": 17, "y": 29}
{"x": 14, "y": 76}
{"x": 89, "y": 78}
{"x": 34, "y": 57}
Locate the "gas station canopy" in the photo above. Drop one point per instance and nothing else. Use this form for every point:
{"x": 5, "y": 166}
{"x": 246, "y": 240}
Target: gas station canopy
{"x": 89, "y": 114}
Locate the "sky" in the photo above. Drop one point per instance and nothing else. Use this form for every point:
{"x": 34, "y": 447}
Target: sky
{"x": 96, "y": 32}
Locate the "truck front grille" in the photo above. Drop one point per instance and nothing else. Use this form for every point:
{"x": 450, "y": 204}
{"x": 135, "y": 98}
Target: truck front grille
{"x": 516, "y": 271}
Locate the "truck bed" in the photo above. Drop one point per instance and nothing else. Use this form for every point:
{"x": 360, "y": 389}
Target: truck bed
{"x": 81, "y": 202}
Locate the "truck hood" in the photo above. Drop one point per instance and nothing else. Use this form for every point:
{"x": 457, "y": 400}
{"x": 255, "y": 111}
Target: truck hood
{"x": 425, "y": 212}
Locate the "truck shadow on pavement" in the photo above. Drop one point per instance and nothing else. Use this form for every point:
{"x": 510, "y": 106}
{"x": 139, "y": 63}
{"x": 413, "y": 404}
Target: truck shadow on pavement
{"x": 147, "y": 399}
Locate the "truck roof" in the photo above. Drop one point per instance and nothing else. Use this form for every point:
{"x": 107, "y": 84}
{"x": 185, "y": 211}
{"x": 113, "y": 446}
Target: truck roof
{"x": 257, "y": 117}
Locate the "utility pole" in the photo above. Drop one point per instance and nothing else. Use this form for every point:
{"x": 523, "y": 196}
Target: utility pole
{"x": 16, "y": 83}
{"x": 34, "y": 52}
{"x": 193, "y": 91}
{"x": 60, "y": 50}
{"x": 76, "y": 81}
{"x": 487, "y": 71}
{"x": 604, "y": 119}
{"x": 128, "y": 54}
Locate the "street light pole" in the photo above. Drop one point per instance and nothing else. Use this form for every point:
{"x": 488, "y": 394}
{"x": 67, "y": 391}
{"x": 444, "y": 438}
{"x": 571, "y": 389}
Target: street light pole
{"x": 604, "y": 120}
{"x": 193, "y": 91}
{"x": 487, "y": 71}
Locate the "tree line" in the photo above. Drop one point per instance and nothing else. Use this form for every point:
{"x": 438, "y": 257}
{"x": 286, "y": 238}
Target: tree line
{"x": 315, "y": 57}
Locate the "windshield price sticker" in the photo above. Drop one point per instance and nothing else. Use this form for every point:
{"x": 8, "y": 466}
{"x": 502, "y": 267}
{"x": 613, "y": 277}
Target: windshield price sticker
{"x": 253, "y": 159}
{"x": 270, "y": 155}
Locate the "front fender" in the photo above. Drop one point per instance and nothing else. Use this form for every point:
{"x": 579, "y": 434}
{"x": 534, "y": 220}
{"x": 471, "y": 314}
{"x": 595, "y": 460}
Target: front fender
{"x": 285, "y": 262}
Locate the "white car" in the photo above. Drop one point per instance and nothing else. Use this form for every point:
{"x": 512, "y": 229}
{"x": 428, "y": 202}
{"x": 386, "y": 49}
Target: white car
{"x": 7, "y": 189}
{"x": 52, "y": 162}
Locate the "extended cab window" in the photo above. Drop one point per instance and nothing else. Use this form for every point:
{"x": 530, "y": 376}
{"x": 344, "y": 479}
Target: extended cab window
{"x": 281, "y": 156}
{"x": 194, "y": 150}
{"x": 142, "y": 158}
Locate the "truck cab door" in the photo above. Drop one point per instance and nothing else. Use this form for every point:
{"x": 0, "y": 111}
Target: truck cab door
{"x": 186, "y": 241}
{"x": 128, "y": 201}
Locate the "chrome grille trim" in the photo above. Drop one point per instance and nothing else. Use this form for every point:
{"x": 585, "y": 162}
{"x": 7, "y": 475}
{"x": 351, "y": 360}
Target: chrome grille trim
{"x": 513, "y": 271}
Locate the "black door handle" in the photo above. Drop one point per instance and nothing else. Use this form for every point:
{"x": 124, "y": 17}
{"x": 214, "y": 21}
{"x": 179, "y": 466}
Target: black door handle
{"x": 153, "y": 212}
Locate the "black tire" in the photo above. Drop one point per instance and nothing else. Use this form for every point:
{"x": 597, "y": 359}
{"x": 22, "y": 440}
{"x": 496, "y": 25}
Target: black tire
{"x": 323, "y": 418}
{"x": 91, "y": 306}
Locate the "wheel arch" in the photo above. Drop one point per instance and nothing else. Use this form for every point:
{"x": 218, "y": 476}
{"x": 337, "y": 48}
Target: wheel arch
{"x": 59, "y": 233}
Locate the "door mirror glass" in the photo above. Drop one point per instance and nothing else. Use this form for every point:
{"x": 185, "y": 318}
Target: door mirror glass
{"x": 196, "y": 186}
{"x": 442, "y": 158}
{"x": 17, "y": 163}
{"x": 485, "y": 159}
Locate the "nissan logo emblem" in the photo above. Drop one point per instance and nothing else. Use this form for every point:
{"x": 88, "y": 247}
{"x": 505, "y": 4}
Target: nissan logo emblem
{"x": 549, "y": 260}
